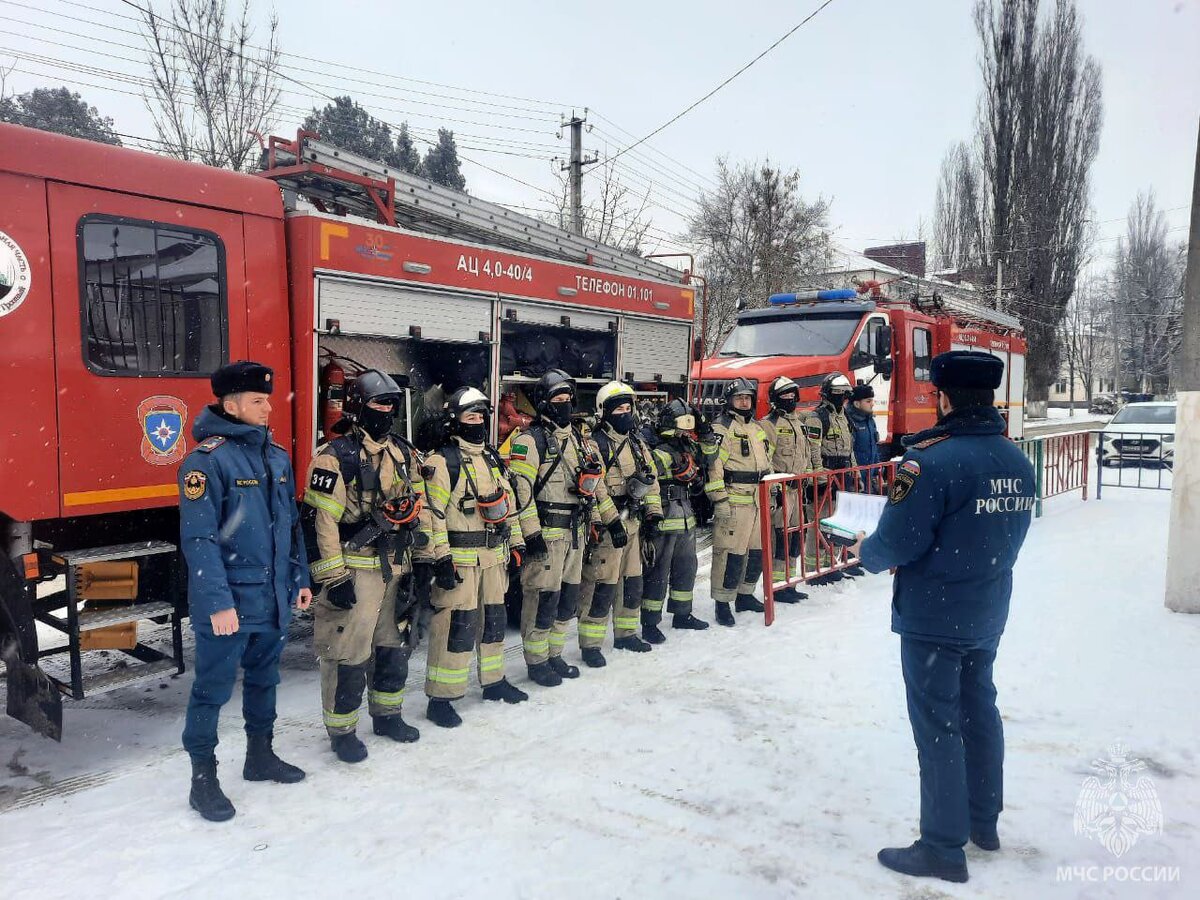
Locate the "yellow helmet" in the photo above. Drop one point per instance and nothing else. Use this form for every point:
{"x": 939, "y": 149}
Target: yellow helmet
{"x": 613, "y": 395}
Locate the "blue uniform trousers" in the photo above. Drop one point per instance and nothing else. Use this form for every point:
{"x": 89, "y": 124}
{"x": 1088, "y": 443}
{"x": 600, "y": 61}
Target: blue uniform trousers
{"x": 217, "y": 661}
{"x": 959, "y": 737}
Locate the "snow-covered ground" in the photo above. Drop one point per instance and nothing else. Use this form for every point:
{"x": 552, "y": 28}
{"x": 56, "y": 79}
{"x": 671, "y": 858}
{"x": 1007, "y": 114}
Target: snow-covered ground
{"x": 747, "y": 762}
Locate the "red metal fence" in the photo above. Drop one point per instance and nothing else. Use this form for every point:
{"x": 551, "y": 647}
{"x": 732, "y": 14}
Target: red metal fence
{"x": 799, "y": 502}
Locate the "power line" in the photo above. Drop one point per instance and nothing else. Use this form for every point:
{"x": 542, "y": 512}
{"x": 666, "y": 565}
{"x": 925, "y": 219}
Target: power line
{"x": 680, "y": 115}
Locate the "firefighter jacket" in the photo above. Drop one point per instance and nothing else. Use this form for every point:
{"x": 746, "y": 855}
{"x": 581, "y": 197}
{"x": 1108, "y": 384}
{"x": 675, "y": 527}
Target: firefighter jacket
{"x": 348, "y": 479}
{"x": 828, "y": 429}
{"x": 792, "y": 451}
{"x": 739, "y": 455}
{"x": 675, "y": 493}
{"x": 545, "y": 465}
{"x": 238, "y": 527}
{"x": 625, "y": 455}
{"x": 456, "y": 477}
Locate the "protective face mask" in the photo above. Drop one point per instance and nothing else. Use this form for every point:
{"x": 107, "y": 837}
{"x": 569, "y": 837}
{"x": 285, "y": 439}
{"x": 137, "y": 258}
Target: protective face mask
{"x": 622, "y": 423}
{"x": 560, "y": 413}
{"x": 473, "y": 434}
{"x": 377, "y": 422}
{"x": 746, "y": 414}
{"x": 787, "y": 404}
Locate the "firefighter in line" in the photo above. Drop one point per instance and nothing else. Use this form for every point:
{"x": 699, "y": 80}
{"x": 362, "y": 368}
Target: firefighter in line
{"x": 244, "y": 554}
{"x": 612, "y": 576}
{"x": 364, "y": 521}
{"x": 795, "y": 454}
{"x": 475, "y": 532}
{"x": 828, "y": 428}
{"x": 674, "y": 538}
{"x": 737, "y": 456}
{"x": 559, "y": 483}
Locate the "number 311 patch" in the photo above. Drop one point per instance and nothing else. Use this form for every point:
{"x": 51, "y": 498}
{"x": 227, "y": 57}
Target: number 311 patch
{"x": 323, "y": 480}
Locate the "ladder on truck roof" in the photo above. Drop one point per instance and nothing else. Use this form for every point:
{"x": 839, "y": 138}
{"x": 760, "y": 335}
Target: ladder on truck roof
{"x": 336, "y": 180}
{"x": 975, "y": 313}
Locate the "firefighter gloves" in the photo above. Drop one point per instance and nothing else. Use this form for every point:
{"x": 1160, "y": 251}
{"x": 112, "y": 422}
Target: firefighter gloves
{"x": 341, "y": 594}
{"x": 616, "y": 530}
{"x": 535, "y": 546}
{"x": 444, "y": 575}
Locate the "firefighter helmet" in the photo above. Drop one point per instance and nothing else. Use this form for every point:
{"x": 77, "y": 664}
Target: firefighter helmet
{"x": 780, "y": 386}
{"x": 739, "y": 386}
{"x": 675, "y": 417}
{"x": 613, "y": 395}
{"x": 554, "y": 382}
{"x": 372, "y": 386}
{"x": 466, "y": 400}
{"x": 836, "y": 385}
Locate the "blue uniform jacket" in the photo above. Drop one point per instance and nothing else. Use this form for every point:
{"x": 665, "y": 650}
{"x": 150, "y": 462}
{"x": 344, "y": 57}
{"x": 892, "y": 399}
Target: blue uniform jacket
{"x": 958, "y": 513}
{"x": 866, "y": 436}
{"x": 239, "y": 526}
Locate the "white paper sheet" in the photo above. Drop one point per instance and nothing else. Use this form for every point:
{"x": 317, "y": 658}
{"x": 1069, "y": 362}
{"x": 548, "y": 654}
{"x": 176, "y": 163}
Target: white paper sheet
{"x": 855, "y": 512}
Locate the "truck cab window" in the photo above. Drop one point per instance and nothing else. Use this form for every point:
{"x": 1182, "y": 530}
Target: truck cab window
{"x": 153, "y": 298}
{"x": 922, "y": 354}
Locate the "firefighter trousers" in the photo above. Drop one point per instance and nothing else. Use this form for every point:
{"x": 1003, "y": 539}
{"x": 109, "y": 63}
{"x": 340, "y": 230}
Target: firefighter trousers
{"x": 674, "y": 570}
{"x": 737, "y": 549}
{"x": 612, "y": 582}
{"x": 361, "y": 645}
{"x": 549, "y": 594}
{"x": 786, "y": 546}
{"x": 465, "y": 620}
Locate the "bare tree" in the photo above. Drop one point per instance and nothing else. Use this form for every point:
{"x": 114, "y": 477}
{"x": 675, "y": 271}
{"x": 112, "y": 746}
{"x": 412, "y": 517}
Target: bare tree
{"x": 612, "y": 213}
{"x": 757, "y": 236}
{"x": 1087, "y": 342}
{"x": 1147, "y": 289}
{"x": 213, "y": 92}
{"x": 1037, "y": 134}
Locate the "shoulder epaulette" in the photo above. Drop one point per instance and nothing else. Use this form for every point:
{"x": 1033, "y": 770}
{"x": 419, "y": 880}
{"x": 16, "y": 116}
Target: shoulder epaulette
{"x": 929, "y": 442}
{"x": 208, "y": 445}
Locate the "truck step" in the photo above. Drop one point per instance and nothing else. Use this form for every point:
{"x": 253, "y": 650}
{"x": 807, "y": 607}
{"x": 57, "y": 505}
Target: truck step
{"x": 115, "y": 551}
{"x": 118, "y": 678}
{"x": 117, "y": 615}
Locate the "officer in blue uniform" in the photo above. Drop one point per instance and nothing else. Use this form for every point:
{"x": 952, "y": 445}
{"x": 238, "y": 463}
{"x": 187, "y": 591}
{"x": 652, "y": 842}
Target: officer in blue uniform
{"x": 957, "y": 514}
{"x": 241, "y": 539}
{"x": 860, "y": 413}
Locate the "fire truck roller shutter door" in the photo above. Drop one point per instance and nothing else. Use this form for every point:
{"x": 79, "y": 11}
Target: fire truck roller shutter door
{"x": 364, "y": 307}
{"x": 655, "y": 347}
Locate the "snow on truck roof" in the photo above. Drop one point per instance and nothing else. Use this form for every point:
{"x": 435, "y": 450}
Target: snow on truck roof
{"x": 55, "y": 157}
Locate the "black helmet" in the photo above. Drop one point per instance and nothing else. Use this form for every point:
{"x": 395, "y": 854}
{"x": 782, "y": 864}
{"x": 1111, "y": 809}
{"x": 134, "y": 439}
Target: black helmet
{"x": 739, "y": 386}
{"x": 780, "y": 386}
{"x": 669, "y": 416}
{"x": 371, "y": 385}
{"x": 466, "y": 400}
{"x": 555, "y": 381}
{"x": 836, "y": 386}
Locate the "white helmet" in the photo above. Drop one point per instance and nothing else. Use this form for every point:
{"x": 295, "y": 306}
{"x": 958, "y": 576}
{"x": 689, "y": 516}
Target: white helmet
{"x": 613, "y": 395}
{"x": 836, "y": 384}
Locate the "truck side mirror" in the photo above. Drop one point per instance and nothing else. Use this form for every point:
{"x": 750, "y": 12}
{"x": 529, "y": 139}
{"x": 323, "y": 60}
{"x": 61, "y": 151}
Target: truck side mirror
{"x": 883, "y": 343}
{"x": 885, "y": 367}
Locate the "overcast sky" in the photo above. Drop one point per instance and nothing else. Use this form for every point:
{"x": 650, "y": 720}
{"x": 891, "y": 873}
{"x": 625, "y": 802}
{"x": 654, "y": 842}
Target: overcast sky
{"x": 862, "y": 101}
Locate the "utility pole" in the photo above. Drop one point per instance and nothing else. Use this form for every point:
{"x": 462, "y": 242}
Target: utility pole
{"x": 1183, "y": 562}
{"x": 575, "y": 168}
{"x": 999, "y": 282}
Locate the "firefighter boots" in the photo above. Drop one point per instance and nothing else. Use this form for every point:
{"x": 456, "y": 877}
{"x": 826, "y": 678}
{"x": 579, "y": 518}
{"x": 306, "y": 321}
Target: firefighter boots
{"x": 502, "y": 690}
{"x": 748, "y": 603}
{"x": 394, "y": 727}
{"x": 542, "y": 674}
{"x": 651, "y": 633}
{"x": 725, "y": 615}
{"x": 348, "y": 747}
{"x": 593, "y": 658}
{"x": 263, "y": 765}
{"x": 441, "y": 712}
{"x": 631, "y": 642}
{"x": 790, "y": 595}
{"x": 206, "y": 797}
{"x": 563, "y": 668}
{"x": 688, "y": 622}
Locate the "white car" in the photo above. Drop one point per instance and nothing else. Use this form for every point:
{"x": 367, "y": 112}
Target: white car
{"x": 1141, "y": 434}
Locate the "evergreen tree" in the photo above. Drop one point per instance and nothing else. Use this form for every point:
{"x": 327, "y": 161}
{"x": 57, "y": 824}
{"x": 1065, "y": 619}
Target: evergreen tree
{"x": 441, "y": 164}
{"x": 404, "y": 155}
{"x": 350, "y": 127}
{"x": 60, "y": 111}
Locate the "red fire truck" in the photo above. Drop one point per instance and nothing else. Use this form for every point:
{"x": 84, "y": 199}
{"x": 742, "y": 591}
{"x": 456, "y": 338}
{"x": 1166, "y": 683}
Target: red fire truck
{"x": 127, "y": 278}
{"x": 871, "y": 335}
